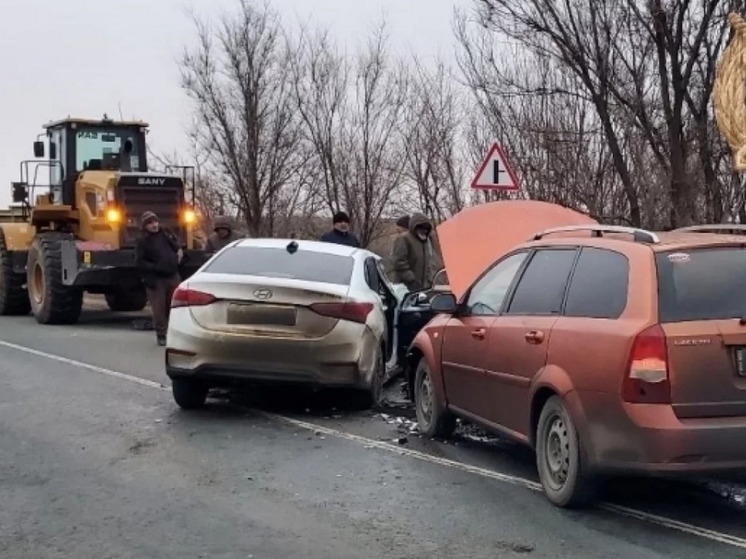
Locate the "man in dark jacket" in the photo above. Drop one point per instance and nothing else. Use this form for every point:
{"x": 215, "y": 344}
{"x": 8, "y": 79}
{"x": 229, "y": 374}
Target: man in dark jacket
{"x": 222, "y": 236}
{"x": 412, "y": 255}
{"x": 340, "y": 233}
{"x": 157, "y": 257}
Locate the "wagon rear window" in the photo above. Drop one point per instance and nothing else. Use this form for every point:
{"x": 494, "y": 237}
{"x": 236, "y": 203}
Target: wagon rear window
{"x": 702, "y": 284}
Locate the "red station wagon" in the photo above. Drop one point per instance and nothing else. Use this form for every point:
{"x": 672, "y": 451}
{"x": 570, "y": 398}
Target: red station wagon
{"x": 618, "y": 351}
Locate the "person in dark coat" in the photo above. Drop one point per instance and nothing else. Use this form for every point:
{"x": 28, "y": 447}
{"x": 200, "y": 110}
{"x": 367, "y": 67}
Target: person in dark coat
{"x": 222, "y": 236}
{"x": 157, "y": 257}
{"x": 340, "y": 233}
{"x": 412, "y": 255}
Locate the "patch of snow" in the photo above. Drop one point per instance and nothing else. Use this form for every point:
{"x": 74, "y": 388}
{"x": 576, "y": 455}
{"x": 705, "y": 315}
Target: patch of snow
{"x": 478, "y": 438}
{"x": 735, "y": 492}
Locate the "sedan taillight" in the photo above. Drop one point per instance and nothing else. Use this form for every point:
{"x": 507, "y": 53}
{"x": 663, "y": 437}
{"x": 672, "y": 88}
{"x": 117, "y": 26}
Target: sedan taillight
{"x": 355, "y": 312}
{"x": 191, "y": 298}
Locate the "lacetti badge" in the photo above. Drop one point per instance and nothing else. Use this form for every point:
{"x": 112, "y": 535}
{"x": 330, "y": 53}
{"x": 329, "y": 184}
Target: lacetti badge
{"x": 692, "y": 342}
{"x": 151, "y": 181}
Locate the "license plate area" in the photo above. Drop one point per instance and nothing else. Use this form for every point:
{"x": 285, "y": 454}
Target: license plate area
{"x": 740, "y": 358}
{"x": 251, "y": 314}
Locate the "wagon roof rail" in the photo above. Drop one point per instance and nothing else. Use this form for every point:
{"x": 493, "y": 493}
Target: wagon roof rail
{"x": 639, "y": 235}
{"x": 714, "y": 227}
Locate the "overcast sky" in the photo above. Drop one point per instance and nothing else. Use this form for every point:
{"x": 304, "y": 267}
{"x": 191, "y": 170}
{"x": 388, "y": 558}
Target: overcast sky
{"x": 87, "y": 57}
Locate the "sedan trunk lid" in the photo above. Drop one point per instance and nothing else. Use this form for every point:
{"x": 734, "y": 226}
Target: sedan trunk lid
{"x": 262, "y": 306}
{"x": 284, "y": 291}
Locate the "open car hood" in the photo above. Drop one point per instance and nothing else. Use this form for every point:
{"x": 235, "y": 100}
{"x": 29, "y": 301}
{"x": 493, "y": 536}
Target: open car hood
{"x": 477, "y": 236}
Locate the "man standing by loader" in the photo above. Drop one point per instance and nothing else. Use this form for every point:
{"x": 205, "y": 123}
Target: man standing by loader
{"x": 157, "y": 257}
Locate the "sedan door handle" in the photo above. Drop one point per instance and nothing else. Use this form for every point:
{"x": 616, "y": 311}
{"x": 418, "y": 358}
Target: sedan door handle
{"x": 534, "y": 337}
{"x": 479, "y": 333}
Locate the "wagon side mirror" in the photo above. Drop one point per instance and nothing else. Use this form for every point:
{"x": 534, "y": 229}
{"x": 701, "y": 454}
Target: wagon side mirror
{"x": 444, "y": 303}
{"x": 38, "y": 149}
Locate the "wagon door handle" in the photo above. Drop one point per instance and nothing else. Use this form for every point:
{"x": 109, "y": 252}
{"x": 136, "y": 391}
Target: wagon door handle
{"x": 534, "y": 337}
{"x": 478, "y": 334}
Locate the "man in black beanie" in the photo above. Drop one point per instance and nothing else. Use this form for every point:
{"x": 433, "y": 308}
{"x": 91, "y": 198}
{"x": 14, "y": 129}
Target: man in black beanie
{"x": 340, "y": 233}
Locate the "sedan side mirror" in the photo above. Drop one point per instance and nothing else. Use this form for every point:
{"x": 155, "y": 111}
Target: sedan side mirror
{"x": 444, "y": 303}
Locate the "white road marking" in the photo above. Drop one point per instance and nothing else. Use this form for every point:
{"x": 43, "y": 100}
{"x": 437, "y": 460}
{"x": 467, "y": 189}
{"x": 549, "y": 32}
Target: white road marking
{"x": 514, "y": 480}
{"x": 692, "y": 529}
{"x": 73, "y": 362}
{"x": 670, "y": 523}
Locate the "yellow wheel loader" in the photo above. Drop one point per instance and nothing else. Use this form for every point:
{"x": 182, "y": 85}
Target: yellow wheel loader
{"x": 78, "y": 234}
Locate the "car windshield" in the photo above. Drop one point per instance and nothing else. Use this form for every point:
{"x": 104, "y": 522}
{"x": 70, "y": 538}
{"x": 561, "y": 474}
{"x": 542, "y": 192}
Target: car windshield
{"x": 702, "y": 284}
{"x": 278, "y": 262}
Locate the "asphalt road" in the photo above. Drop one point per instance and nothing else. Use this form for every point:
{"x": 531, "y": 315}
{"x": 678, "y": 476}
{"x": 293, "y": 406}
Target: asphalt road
{"x": 98, "y": 462}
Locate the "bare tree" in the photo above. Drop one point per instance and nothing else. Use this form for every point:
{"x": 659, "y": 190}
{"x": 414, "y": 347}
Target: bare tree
{"x": 380, "y": 93}
{"x": 434, "y": 137}
{"x": 542, "y": 115}
{"x": 565, "y": 36}
{"x": 351, "y": 113}
{"x": 239, "y": 80}
{"x": 673, "y": 47}
{"x": 321, "y": 84}
{"x": 603, "y": 106}
{"x": 646, "y": 71}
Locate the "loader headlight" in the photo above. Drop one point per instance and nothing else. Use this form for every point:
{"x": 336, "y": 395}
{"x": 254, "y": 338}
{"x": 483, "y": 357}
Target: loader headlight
{"x": 113, "y": 215}
{"x": 189, "y": 216}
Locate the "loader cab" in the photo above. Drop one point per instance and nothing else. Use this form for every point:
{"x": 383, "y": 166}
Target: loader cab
{"x": 78, "y": 145}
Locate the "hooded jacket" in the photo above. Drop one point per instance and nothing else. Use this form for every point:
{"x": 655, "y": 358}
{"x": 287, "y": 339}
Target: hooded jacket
{"x": 412, "y": 257}
{"x": 214, "y": 242}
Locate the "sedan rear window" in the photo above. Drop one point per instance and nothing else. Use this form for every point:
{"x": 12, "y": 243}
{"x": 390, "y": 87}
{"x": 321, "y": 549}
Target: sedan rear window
{"x": 279, "y": 263}
{"x": 702, "y": 284}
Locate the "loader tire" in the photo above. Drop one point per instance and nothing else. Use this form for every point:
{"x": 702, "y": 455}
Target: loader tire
{"x": 52, "y": 302}
{"x": 14, "y": 299}
{"x": 127, "y": 301}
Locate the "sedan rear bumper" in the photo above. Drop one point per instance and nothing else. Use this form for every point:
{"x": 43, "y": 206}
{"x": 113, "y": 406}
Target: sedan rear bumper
{"x": 339, "y": 376}
{"x": 343, "y": 358}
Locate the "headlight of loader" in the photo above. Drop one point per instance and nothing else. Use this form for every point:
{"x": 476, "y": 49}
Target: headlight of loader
{"x": 113, "y": 215}
{"x": 189, "y": 217}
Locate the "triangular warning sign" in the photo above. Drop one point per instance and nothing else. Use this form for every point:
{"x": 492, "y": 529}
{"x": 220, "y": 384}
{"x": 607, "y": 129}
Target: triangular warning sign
{"x": 495, "y": 172}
